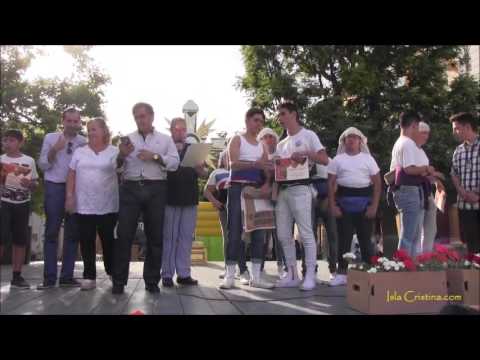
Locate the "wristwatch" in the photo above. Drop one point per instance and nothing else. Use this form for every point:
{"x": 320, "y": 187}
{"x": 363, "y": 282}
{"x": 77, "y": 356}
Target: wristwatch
{"x": 156, "y": 157}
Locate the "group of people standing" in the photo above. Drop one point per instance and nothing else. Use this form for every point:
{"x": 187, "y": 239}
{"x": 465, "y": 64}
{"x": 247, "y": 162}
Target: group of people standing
{"x": 95, "y": 188}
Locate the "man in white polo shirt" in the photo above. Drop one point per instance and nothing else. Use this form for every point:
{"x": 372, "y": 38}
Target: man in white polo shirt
{"x": 411, "y": 171}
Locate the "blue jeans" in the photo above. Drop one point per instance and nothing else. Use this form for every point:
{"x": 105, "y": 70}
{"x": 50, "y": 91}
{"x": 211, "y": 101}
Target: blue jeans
{"x": 242, "y": 261}
{"x": 409, "y": 202}
{"x": 55, "y": 213}
{"x": 235, "y": 229}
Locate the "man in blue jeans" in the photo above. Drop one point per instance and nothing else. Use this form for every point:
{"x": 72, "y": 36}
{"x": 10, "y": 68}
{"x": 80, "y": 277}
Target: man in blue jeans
{"x": 411, "y": 182}
{"x": 55, "y": 157}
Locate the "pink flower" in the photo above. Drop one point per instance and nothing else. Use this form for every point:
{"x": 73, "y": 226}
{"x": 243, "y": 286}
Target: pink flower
{"x": 409, "y": 265}
{"x": 441, "y": 249}
{"x": 424, "y": 257}
{"x": 401, "y": 255}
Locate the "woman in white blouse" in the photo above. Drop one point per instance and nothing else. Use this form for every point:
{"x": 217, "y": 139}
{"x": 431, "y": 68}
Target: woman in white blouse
{"x": 92, "y": 193}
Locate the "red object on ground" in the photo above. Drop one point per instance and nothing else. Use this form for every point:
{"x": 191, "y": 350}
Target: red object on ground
{"x": 137, "y": 312}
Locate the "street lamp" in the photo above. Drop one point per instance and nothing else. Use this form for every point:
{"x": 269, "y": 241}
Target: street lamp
{"x": 190, "y": 111}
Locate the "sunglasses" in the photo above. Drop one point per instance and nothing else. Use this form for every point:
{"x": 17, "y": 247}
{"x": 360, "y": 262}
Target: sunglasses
{"x": 69, "y": 148}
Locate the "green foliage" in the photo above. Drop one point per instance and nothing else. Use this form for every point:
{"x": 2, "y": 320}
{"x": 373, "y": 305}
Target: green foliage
{"x": 35, "y": 106}
{"x": 364, "y": 86}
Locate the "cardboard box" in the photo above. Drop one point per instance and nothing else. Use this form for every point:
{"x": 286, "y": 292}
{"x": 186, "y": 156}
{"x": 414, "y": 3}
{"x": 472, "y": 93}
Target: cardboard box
{"x": 418, "y": 292}
{"x": 199, "y": 253}
{"x": 465, "y": 283}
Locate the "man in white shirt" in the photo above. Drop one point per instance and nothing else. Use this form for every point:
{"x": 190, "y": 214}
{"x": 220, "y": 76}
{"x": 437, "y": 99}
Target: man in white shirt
{"x": 411, "y": 172}
{"x": 294, "y": 201}
{"x": 145, "y": 157}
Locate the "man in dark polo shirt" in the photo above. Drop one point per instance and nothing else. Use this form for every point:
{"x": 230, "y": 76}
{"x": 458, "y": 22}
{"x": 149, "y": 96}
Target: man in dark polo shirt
{"x": 180, "y": 213}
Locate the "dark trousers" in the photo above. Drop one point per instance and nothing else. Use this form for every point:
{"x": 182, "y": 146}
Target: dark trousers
{"x": 470, "y": 229}
{"x": 347, "y": 225}
{"x": 332, "y": 238}
{"x": 242, "y": 256}
{"x": 89, "y": 225}
{"x": 55, "y": 214}
{"x": 235, "y": 229}
{"x": 148, "y": 199}
{"x": 14, "y": 223}
{"x": 277, "y": 248}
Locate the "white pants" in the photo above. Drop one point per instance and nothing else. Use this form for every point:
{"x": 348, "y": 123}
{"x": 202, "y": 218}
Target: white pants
{"x": 295, "y": 204}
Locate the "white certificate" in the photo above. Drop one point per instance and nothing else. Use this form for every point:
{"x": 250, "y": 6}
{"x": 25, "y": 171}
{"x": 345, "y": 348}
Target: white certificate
{"x": 288, "y": 170}
{"x": 196, "y": 155}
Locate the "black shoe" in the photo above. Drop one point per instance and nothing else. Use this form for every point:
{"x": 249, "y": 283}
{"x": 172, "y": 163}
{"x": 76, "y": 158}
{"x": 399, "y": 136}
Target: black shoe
{"x": 19, "y": 282}
{"x": 152, "y": 288}
{"x": 186, "y": 281}
{"x": 46, "y": 285}
{"x": 69, "y": 283}
{"x": 167, "y": 282}
{"x": 117, "y": 289}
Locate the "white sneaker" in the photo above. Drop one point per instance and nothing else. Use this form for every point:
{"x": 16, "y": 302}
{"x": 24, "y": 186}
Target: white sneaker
{"x": 89, "y": 284}
{"x": 261, "y": 283}
{"x": 245, "y": 278}
{"x": 338, "y": 280}
{"x": 281, "y": 271}
{"x": 257, "y": 280}
{"x": 222, "y": 275}
{"x": 227, "y": 283}
{"x": 229, "y": 280}
{"x": 290, "y": 280}
{"x": 310, "y": 280}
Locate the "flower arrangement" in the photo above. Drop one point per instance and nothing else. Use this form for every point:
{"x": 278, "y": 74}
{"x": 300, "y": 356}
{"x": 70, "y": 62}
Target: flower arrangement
{"x": 400, "y": 262}
{"x": 440, "y": 259}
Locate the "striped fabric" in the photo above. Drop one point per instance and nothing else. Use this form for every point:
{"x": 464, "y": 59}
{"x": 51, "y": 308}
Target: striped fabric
{"x": 249, "y": 176}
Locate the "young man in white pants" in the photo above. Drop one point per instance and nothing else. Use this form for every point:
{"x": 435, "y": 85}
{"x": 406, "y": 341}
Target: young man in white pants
{"x": 294, "y": 201}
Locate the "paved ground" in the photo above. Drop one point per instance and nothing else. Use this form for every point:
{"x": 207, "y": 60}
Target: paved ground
{"x": 203, "y": 299}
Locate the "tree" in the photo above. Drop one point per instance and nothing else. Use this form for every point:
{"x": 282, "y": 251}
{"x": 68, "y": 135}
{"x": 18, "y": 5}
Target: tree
{"x": 338, "y": 86}
{"x": 35, "y": 106}
{"x": 363, "y": 86}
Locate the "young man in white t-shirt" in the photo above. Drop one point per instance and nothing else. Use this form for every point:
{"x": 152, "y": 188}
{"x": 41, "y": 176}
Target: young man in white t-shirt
{"x": 354, "y": 187}
{"x": 294, "y": 201}
{"x": 408, "y": 160}
{"x": 18, "y": 179}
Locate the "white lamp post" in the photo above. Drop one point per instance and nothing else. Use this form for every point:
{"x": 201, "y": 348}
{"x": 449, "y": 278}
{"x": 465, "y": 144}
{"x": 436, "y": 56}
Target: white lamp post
{"x": 190, "y": 111}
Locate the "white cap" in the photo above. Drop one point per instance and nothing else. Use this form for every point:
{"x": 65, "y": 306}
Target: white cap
{"x": 267, "y": 131}
{"x": 423, "y": 127}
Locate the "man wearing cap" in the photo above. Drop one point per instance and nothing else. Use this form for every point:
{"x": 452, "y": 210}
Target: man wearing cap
{"x": 55, "y": 156}
{"x": 270, "y": 139}
{"x": 429, "y": 226}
